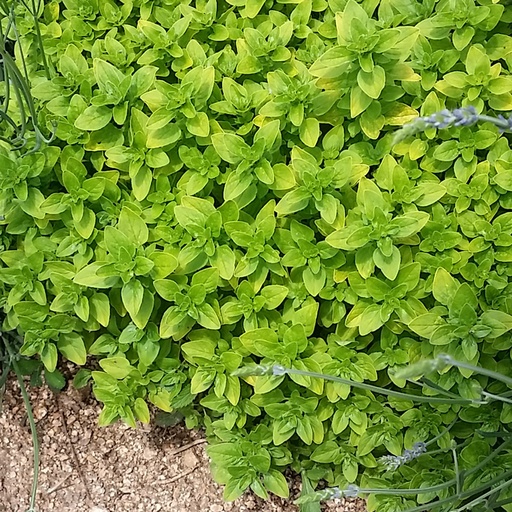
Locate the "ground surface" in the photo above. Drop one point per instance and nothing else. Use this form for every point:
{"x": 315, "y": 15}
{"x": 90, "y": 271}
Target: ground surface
{"x": 85, "y": 468}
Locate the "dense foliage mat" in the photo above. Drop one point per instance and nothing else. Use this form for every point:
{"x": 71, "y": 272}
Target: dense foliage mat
{"x": 223, "y": 190}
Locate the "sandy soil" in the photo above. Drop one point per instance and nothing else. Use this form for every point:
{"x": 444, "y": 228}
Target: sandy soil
{"x": 85, "y": 468}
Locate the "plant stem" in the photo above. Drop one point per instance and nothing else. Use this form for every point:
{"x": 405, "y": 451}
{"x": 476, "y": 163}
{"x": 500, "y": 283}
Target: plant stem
{"x": 494, "y": 120}
{"x": 389, "y": 392}
{"x": 504, "y": 502}
{"x": 429, "y": 384}
{"x": 31, "y": 420}
{"x": 458, "y": 474}
{"x": 497, "y": 397}
{"x": 477, "y": 369}
{"x": 445, "y": 431}
{"x": 429, "y": 506}
{"x": 483, "y": 496}
{"x": 444, "y": 485}
{"x": 503, "y": 434}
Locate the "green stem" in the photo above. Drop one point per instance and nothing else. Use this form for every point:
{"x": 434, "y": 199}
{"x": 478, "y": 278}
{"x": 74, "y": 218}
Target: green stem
{"x": 458, "y": 474}
{"x": 498, "y": 122}
{"x": 31, "y": 420}
{"x": 444, "y": 485}
{"x": 376, "y": 389}
{"x": 40, "y": 43}
{"x": 477, "y": 369}
{"x": 502, "y": 434}
{"x": 17, "y": 81}
{"x": 444, "y": 450}
{"x": 407, "y": 492}
{"x": 487, "y": 459}
{"x": 496, "y": 397}
{"x": 504, "y": 502}
{"x": 483, "y": 496}
{"x": 428, "y": 383}
{"x": 467, "y": 494}
{"x": 445, "y": 431}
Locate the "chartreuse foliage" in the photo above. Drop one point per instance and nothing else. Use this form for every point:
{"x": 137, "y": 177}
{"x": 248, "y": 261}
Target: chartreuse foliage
{"x": 223, "y": 191}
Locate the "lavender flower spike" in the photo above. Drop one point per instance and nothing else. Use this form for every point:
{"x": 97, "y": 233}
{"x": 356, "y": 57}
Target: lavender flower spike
{"x": 464, "y": 116}
{"x": 393, "y": 462}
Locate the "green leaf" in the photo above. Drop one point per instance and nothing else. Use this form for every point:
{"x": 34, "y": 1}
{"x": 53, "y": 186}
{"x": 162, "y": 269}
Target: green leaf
{"x": 274, "y": 295}
{"x": 142, "y": 80}
{"x": 314, "y": 282}
{"x": 49, "y": 357}
{"x": 199, "y": 125}
{"x": 117, "y": 367}
{"x": 118, "y": 243}
{"x": 235, "y": 488}
{"x": 81, "y": 378}
{"x": 390, "y": 265}
{"x": 147, "y": 350}
{"x": 372, "y": 83}
{"x": 309, "y": 131}
{"x": 207, "y": 317}
{"x": 444, "y": 287}
{"x": 107, "y": 76}
{"x": 171, "y": 319}
{"x": 133, "y": 227}
{"x": 293, "y": 201}
{"x": 85, "y": 226}
{"x": 72, "y": 347}
{"x": 132, "y": 294}
{"x": 504, "y": 180}
{"x": 425, "y": 325}
{"x": 55, "y": 380}
{"x": 477, "y": 62}
{"x": 164, "y": 264}
{"x": 230, "y": 147}
{"x": 224, "y": 261}
{"x": 237, "y": 184}
{"x": 276, "y": 483}
{"x": 141, "y": 410}
{"x": 499, "y": 322}
{"x": 307, "y": 489}
{"x": 366, "y": 444}
{"x": 163, "y": 136}
{"x": 447, "y": 151}
{"x": 371, "y": 319}
{"x": 141, "y": 183}
{"x": 201, "y": 381}
{"x": 359, "y": 101}
{"x": 328, "y": 208}
{"x": 145, "y": 310}
{"x": 104, "y": 344}
{"x": 409, "y": 224}
{"x": 93, "y": 118}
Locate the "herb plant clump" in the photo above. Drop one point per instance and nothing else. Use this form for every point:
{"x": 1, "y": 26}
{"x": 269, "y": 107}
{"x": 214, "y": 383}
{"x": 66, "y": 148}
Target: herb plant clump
{"x": 224, "y": 190}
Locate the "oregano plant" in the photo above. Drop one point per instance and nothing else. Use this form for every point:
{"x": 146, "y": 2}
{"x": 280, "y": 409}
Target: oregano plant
{"x": 254, "y": 215}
